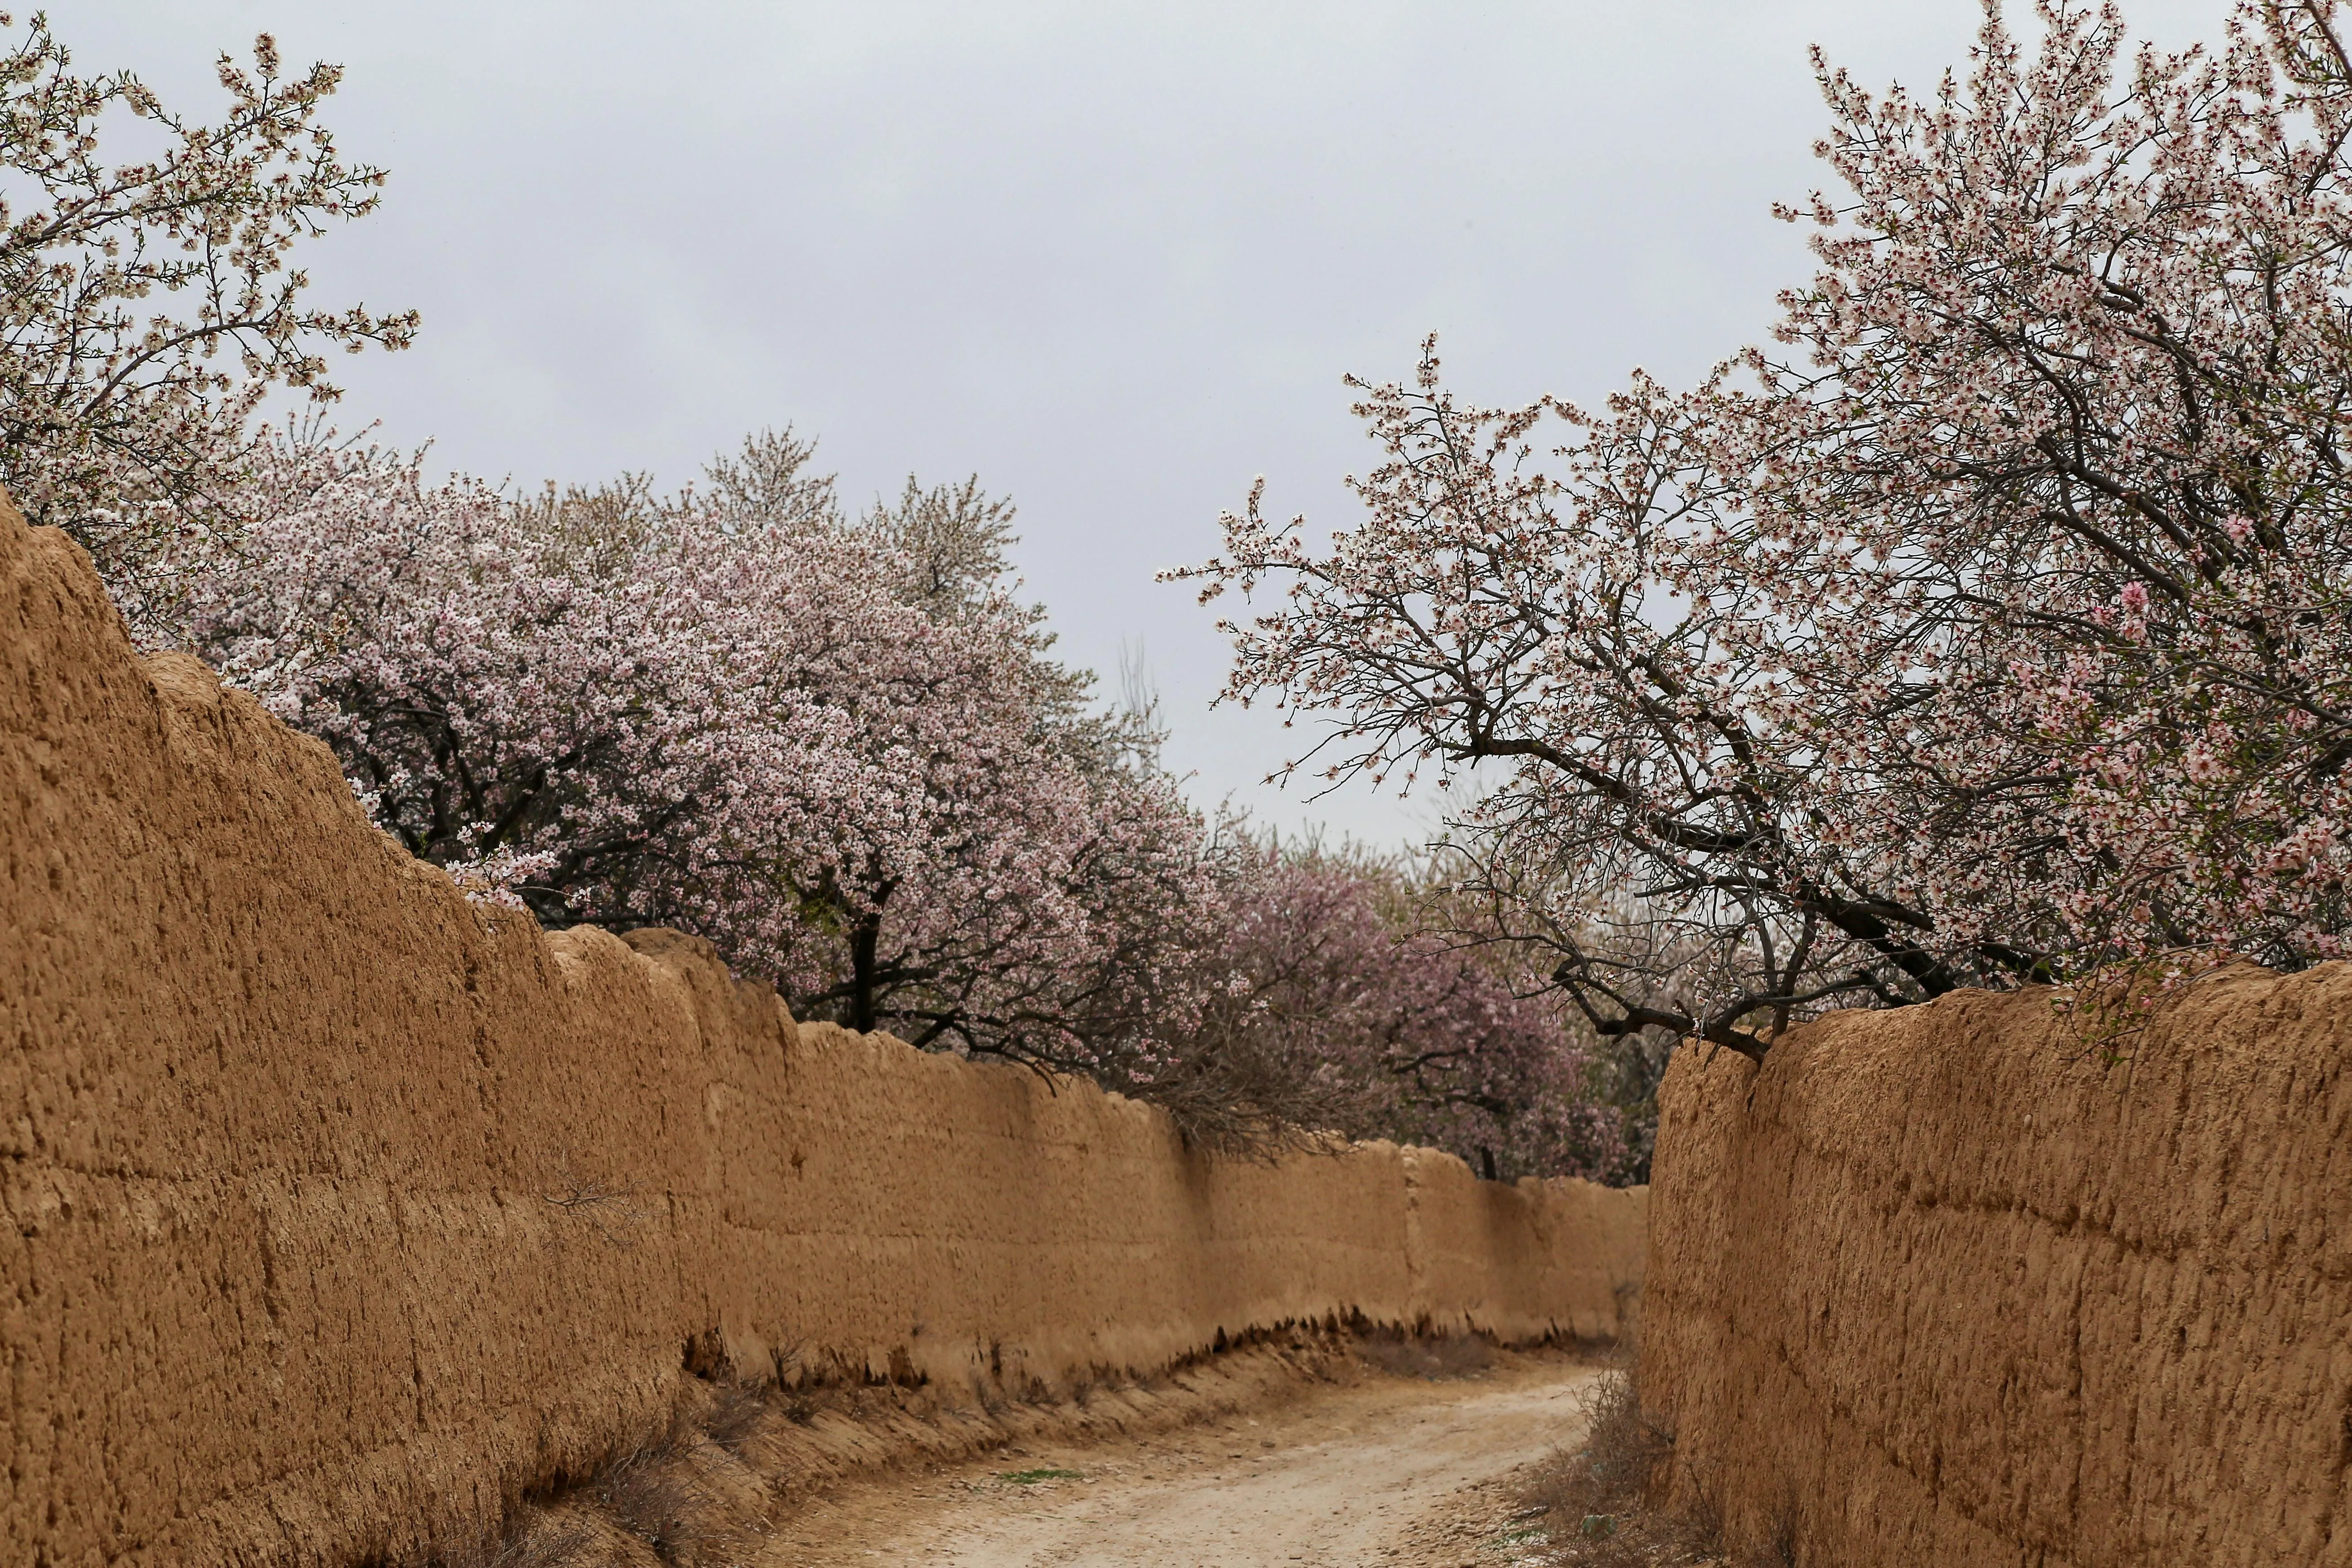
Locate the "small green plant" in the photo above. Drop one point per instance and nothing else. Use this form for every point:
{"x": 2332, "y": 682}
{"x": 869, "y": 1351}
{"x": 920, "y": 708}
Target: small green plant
{"x": 1042, "y": 1473}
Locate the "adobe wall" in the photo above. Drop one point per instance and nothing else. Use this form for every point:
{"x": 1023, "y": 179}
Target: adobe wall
{"x": 1942, "y": 1287}
{"x": 286, "y": 1122}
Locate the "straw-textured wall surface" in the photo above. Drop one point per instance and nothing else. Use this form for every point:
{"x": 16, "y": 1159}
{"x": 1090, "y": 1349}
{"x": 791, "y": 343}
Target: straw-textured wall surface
{"x": 339, "y": 1210}
{"x": 1955, "y": 1286}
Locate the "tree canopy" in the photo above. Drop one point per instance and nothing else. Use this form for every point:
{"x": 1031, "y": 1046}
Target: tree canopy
{"x": 1988, "y": 626}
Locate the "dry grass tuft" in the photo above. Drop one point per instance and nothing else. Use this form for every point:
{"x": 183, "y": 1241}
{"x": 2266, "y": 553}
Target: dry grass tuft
{"x": 656, "y": 1494}
{"x": 657, "y": 1503}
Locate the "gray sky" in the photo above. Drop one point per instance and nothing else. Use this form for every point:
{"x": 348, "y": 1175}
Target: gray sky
{"x": 1112, "y": 257}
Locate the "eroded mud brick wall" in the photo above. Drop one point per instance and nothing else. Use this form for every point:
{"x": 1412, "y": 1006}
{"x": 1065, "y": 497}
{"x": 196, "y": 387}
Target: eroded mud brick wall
{"x": 1948, "y": 1287}
{"x": 338, "y": 1211}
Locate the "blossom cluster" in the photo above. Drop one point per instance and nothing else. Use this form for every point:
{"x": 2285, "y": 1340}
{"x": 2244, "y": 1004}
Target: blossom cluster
{"x": 151, "y": 305}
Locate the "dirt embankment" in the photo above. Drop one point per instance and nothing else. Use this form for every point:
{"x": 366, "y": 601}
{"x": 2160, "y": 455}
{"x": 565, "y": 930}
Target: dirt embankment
{"x": 341, "y": 1212}
{"x": 1946, "y": 1286}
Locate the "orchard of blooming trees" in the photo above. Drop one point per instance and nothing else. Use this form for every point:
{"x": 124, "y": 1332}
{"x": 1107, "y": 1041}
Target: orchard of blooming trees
{"x": 839, "y": 748}
{"x": 1990, "y": 628}
{"x": 1993, "y": 626}
{"x": 836, "y": 745}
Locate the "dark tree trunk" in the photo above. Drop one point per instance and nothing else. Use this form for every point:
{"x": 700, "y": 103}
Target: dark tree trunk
{"x": 863, "y": 944}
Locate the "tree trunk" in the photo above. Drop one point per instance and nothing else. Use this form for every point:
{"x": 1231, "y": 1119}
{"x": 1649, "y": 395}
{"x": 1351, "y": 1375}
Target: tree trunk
{"x": 863, "y": 942}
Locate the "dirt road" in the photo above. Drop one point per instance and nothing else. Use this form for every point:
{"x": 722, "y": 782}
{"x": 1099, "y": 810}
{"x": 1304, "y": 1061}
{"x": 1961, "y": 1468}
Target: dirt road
{"x": 1386, "y": 1470}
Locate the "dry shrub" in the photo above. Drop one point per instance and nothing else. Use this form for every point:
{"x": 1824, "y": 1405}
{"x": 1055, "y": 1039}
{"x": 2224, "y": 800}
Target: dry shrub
{"x": 531, "y": 1541}
{"x": 1436, "y": 1359}
{"x": 1592, "y": 1496}
{"x": 1620, "y": 1454}
{"x": 735, "y": 1413}
{"x": 655, "y": 1494}
{"x": 658, "y": 1505}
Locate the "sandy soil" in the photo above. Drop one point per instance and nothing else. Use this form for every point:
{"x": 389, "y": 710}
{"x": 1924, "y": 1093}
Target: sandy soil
{"x": 1385, "y": 1471}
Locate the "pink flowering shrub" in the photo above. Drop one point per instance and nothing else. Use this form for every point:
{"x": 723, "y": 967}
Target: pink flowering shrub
{"x": 1990, "y": 628}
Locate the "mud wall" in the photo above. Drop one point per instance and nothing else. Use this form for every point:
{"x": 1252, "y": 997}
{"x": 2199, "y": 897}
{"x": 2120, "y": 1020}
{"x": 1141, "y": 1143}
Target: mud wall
{"x": 1947, "y": 1286}
{"x": 340, "y": 1211}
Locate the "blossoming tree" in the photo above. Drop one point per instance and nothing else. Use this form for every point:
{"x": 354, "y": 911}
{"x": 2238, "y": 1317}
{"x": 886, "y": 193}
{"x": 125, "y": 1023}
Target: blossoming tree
{"x": 1336, "y": 1007}
{"x": 1992, "y": 627}
{"x": 150, "y": 306}
{"x": 837, "y": 748}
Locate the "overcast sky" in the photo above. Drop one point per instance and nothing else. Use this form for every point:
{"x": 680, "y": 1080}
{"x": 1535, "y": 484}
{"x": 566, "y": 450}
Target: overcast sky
{"x": 1112, "y": 257}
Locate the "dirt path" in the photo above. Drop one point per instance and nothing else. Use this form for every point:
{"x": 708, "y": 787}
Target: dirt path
{"x": 1376, "y": 1472}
